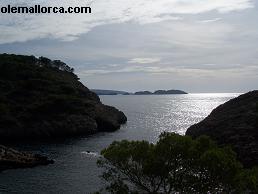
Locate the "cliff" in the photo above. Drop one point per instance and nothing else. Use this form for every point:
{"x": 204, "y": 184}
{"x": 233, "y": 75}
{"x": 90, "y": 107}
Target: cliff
{"x": 41, "y": 98}
{"x": 234, "y": 123}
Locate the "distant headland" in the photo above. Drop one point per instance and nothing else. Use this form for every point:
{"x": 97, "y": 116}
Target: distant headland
{"x": 157, "y": 92}
{"x": 109, "y": 92}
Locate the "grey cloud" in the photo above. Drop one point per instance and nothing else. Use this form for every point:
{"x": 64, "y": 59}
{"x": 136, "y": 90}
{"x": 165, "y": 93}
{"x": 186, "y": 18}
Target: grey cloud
{"x": 16, "y": 28}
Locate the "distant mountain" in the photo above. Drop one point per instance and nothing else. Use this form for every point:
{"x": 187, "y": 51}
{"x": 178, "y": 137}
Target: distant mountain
{"x": 109, "y": 92}
{"x": 160, "y": 92}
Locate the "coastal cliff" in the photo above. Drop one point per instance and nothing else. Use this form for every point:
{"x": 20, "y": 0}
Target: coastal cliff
{"x": 234, "y": 123}
{"x": 41, "y": 98}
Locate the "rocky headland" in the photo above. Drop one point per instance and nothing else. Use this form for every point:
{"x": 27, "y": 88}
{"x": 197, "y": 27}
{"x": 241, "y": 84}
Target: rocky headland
{"x": 234, "y": 123}
{"x": 40, "y": 98}
{"x": 44, "y": 99}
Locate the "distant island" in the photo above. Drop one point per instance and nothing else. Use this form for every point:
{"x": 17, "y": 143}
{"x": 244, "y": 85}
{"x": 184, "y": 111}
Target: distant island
{"x": 143, "y": 93}
{"x": 160, "y": 92}
{"x": 109, "y": 92}
{"x": 157, "y": 92}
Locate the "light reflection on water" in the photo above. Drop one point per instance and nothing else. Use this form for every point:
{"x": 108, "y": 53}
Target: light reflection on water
{"x": 75, "y": 169}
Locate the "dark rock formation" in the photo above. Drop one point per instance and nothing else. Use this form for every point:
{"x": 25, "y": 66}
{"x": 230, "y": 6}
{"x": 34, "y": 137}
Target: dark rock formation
{"x": 234, "y": 123}
{"x": 10, "y": 158}
{"x": 40, "y": 98}
{"x": 109, "y": 118}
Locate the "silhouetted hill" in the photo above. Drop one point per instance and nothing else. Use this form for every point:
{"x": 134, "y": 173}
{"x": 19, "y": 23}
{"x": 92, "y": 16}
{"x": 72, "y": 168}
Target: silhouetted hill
{"x": 234, "y": 123}
{"x": 41, "y": 98}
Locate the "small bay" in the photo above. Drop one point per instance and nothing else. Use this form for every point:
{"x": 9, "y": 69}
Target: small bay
{"x": 75, "y": 169}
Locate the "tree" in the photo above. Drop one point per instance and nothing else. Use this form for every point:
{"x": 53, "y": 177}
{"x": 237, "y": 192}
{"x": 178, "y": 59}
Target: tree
{"x": 45, "y": 61}
{"x": 175, "y": 164}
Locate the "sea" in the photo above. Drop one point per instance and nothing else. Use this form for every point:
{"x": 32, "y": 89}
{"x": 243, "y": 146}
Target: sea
{"x": 75, "y": 169}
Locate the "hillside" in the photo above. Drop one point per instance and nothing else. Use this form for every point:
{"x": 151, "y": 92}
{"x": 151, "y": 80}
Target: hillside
{"x": 234, "y": 123}
{"x": 41, "y": 98}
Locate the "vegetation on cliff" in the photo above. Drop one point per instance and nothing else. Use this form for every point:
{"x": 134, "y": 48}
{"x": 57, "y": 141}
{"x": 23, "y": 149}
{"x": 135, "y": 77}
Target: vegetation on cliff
{"x": 41, "y": 98}
{"x": 234, "y": 123}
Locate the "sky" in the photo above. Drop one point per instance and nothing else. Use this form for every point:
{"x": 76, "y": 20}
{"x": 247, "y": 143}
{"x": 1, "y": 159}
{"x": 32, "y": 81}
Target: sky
{"x": 193, "y": 45}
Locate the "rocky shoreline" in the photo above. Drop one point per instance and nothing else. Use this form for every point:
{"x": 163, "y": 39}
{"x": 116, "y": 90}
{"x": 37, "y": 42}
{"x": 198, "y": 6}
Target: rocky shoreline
{"x": 43, "y": 99}
{"x": 11, "y": 159}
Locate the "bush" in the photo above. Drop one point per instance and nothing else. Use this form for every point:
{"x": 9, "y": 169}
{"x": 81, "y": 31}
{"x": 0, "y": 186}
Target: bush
{"x": 176, "y": 164}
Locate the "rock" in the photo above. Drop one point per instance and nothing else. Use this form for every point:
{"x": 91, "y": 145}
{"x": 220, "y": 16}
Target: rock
{"x": 40, "y": 98}
{"x": 234, "y": 123}
{"x": 10, "y": 158}
{"x": 109, "y": 118}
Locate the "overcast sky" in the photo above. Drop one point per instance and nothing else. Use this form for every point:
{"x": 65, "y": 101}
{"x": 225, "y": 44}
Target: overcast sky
{"x": 193, "y": 45}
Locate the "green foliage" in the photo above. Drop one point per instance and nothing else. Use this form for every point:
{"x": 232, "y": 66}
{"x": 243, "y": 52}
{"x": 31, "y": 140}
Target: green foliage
{"x": 175, "y": 164}
{"x": 38, "y": 94}
{"x": 248, "y": 180}
{"x": 4, "y": 109}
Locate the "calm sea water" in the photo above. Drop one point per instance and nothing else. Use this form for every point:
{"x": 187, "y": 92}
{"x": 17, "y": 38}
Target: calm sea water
{"x": 76, "y": 172}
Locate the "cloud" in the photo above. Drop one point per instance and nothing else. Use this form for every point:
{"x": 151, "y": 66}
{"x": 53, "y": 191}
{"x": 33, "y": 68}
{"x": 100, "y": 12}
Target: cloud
{"x": 211, "y": 20}
{"x": 144, "y": 60}
{"x": 196, "y": 71}
{"x": 68, "y": 27}
{"x": 129, "y": 69}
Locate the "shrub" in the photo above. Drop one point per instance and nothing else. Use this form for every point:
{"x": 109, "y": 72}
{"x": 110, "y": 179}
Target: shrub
{"x": 175, "y": 164}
